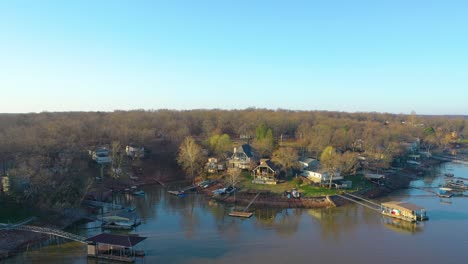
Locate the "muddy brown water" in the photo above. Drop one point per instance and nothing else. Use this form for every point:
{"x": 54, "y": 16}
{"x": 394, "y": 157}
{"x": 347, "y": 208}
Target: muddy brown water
{"x": 193, "y": 229}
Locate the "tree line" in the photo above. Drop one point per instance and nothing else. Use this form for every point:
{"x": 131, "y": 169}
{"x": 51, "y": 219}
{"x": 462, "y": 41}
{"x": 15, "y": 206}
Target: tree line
{"x": 47, "y": 151}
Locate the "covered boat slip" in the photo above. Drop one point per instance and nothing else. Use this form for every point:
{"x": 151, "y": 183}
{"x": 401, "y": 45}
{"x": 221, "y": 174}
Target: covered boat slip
{"x": 403, "y": 210}
{"x": 114, "y": 247}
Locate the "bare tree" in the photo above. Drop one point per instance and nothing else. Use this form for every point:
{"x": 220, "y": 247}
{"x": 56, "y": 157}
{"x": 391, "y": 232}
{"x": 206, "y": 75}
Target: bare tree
{"x": 233, "y": 177}
{"x": 286, "y": 157}
{"x": 190, "y": 157}
{"x": 116, "y": 159}
{"x": 330, "y": 162}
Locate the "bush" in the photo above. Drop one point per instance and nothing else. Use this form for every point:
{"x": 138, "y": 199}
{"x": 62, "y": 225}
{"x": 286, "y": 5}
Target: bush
{"x": 298, "y": 181}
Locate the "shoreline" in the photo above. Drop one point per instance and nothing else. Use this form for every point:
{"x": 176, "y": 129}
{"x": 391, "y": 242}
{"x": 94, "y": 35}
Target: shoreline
{"x": 13, "y": 241}
{"x": 395, "y": 181}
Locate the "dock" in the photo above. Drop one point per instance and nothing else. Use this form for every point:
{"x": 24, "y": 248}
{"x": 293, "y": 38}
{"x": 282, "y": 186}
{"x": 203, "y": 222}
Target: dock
{"x": 244, "y": 212}
{"x": 401, "y": 210}
{"x": 404, "y": 211}
{"x": 183, "y": 191}
{"x": 102, "y": 204}
{"x": 114, "y": 247}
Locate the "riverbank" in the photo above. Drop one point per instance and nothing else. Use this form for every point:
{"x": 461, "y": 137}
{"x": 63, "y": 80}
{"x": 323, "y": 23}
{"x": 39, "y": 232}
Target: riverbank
{"x": 397, "y": 180}
{"x": 13, "y": 242}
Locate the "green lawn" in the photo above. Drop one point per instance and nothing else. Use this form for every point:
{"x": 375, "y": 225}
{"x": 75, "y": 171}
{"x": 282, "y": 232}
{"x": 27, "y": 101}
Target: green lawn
{"x": 359, "y": 183}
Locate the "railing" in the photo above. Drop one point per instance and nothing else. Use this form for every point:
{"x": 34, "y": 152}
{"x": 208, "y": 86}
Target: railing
{"x": 50, "y": 231}
{"x": 43, "y": 230}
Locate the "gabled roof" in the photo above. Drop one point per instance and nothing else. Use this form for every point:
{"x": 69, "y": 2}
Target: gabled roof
{"x": 247, "y": 149}
{"x": 266, "y": 163}
{"x": 118, "y": 240}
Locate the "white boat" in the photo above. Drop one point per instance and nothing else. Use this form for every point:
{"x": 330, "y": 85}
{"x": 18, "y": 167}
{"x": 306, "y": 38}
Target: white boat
{"x": 219, "y": 191}
{"x": 445, "y": 192}
{"x": 140, "y": 193}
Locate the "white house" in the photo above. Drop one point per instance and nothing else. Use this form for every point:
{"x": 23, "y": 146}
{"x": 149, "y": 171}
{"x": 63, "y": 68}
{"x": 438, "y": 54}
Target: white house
{"x": 100, "y": 155}
{"x": 135, "y": 152}
{"x": 320, "y": 177}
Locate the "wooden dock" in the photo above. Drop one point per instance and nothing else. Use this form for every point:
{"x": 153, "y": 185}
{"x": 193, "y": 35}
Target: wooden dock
{"x": 183, "y": 191}
{"x": 241, "y": 214}
{"x": 244, "y": 212}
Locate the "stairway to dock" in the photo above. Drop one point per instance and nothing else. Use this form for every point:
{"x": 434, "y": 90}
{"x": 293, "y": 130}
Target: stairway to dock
{"x": 245, "y": 213}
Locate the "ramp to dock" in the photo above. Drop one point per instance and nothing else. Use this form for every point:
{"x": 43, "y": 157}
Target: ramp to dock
{"x": 360, "y": 200}
{"x": 43, "y": 230}
{"x": 244, "y": 212}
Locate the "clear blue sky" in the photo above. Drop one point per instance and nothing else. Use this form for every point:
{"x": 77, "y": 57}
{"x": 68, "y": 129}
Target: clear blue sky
{"x": 376, "y": 55}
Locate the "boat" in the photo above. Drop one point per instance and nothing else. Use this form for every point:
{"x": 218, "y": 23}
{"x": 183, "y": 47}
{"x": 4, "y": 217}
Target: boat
{"x": 139, "y": 193}
{"x": 457, "y": 184}
{"x": 219, "y": 191}
{"x": 177, "y": 193}
{"x": 445, "y": 192}
{"x": 118, "y": 225}
{"x": 449, "y": 174}
{"x": 125, "y": 221}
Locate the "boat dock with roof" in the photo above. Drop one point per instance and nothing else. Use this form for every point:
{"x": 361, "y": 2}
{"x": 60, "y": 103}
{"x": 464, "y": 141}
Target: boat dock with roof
{"x": 114, "y": 247}
{"x": 405, "y": 211}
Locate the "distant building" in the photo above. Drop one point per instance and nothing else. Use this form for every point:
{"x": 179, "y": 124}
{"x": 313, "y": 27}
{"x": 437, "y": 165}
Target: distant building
{"x": 321, "y": 177}
{"x": 214, "y": 165}
{"x": 135, "y": 152}
{"x": 308, "y": 163}
{"x": 100, "y": 155}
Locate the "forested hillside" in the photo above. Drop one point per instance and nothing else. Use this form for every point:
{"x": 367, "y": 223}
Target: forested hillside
{"x": 47, "y": 152}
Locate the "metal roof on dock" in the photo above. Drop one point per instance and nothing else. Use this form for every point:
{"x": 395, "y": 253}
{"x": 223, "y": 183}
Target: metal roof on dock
{"x": 403, "y": 206}
{"x": 118, "y": 240}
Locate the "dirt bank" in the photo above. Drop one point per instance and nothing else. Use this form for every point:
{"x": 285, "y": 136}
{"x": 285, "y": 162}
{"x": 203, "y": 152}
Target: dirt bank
{"x": 14, "y": 241}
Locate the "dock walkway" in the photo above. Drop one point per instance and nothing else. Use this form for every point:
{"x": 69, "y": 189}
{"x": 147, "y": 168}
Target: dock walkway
{"x": 244, "y": 212}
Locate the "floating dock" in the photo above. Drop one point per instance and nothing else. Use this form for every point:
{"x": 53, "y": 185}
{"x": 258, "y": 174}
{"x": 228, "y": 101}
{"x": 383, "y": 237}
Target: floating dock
{"x": 176, "y": 193}
{"x": 404, "y": 211}
{"x": 114, "y": 247}
{"x": 241, "y": 214}
{"x": 244, "y": 212}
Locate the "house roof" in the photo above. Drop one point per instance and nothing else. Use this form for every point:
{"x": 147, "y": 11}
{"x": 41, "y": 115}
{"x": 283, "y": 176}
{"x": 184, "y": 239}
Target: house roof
{"x": 307, "y": 160}
{"x": 118, "y": 240}
{"x": 247, "y": 149}
{"x": 403, "y": 206}
{"x": 266, "y": 163}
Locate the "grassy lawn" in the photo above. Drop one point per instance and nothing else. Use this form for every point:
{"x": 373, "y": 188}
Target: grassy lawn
{"x": 359, "y": 183}
{"x": 309, "y": 190}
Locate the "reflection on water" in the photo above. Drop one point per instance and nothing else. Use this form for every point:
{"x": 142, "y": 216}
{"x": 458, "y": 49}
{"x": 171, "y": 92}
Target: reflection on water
{"x": 401, "y": 226}
{"x": 193, "y": 229}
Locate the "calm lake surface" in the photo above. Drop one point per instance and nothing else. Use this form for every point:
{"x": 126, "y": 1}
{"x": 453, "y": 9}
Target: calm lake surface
{"x": 195, "y": 230}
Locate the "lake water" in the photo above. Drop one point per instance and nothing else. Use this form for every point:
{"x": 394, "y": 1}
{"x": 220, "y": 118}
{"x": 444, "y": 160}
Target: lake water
{"x": 195, "y": 230}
